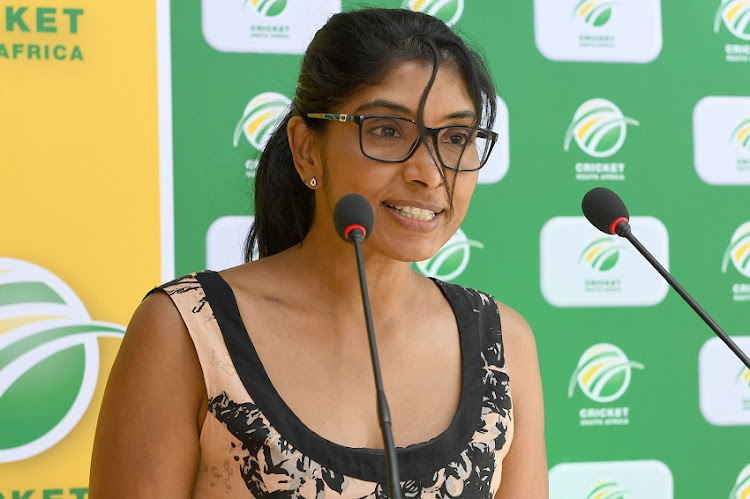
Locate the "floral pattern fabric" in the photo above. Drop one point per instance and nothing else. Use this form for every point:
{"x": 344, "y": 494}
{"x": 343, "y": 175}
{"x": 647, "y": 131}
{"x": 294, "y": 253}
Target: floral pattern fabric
{"x": 244, "y": 455}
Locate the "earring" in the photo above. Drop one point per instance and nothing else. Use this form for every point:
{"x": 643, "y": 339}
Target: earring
{"x": 313, "y": 182}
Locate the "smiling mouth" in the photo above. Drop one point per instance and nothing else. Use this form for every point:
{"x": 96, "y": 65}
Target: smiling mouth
{"x": 413, "y": 212}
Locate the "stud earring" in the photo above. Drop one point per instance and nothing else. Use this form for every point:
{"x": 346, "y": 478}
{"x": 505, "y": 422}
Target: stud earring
{"x": 313, "y": 182}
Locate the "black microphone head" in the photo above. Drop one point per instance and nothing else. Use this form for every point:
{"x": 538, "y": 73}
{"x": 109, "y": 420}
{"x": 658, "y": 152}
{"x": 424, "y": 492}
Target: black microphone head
{"x": 604, "y": 209}
{"x": 352, "y": 211}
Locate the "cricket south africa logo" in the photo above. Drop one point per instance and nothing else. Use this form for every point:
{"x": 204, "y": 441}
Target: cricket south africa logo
{"x": 607, "y": 489}
{"x": 594, "y": 13}
{"x": 738, "y": 251}
{"x": 448, "y": 11}
{"x": 743, "y": 377}
{"x": 741, "y": 134}
{"x": 736, "y": 17}
{"x": 49, "y": 359}
{"x": 741, "y": 489}
{"x": 603, "y": 373}
{"x": 262, "y": 115}
{"x": 599, "y": 128}
{"x": 269, "y": 8}
{"x": 451, "y": 260}
{"x": 601, "y": 254}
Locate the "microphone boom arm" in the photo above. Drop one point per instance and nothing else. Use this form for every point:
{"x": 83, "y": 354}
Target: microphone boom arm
{"x": 623, "y": 230}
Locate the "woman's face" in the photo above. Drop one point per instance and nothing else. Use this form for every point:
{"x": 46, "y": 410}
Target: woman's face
{"x": 412, "y": 211}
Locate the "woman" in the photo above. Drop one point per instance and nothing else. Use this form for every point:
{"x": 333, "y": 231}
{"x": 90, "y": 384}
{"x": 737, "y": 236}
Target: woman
{"x": 257, "y": 381}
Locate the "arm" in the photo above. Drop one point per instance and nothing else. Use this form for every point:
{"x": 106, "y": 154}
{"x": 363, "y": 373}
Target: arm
{"x": 147, "y": 437}
{"x": 525, "y": 466}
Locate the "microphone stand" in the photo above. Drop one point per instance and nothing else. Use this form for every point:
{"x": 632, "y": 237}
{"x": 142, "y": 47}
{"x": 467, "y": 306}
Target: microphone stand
{"x": 623, "y": 230}
{"x": 384, "y": 414}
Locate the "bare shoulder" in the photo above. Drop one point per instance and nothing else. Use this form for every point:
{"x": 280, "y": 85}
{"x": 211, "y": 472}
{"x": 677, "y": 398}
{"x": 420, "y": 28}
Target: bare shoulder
{"x": 152, "y": 408}
{"x": 517, "y": 334}
{"x": 525, "y": 466}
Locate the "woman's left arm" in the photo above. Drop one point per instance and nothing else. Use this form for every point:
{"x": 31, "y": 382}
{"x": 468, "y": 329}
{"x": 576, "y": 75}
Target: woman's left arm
{"x": 525, "y": 466}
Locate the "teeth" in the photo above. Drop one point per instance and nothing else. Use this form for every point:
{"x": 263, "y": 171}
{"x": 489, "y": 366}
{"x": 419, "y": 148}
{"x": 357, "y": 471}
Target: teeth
{"x": 415, "y": 213}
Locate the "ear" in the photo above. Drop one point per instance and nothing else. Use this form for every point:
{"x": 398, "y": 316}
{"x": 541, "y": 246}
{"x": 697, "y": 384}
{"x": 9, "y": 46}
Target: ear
{"x": 304, "y": 145}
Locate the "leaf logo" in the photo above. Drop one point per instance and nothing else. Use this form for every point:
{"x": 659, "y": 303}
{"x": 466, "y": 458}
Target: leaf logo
{"x": 269, "y": 8}
{"x": 743, "y": 377}
{"x": 741, "y": 488}
{"x": 736, "y": 17}
{"x": 451, "y": 260}
{"x": 599, "y": 128}
{"x": 607, "y": 490}
{"x": 741, "y": 134}
{"x": 601, "y": 254}
{"x": 448, "y": 11}
{"x": 49, "y": 359}
{"x": 603, "y": 373}
{"x": 595, "y": 13}
{"x": 738, "y": 251}
{"x": 262, "y": 115}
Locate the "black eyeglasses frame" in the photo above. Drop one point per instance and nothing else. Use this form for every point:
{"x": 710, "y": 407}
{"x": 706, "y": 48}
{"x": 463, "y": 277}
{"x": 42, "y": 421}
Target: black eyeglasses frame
{"x": 430, "y": 132}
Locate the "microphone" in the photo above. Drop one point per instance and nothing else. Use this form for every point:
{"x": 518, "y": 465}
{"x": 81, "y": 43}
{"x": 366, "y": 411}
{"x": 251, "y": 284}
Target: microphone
{"x": 353, "y": 215}
{"x": 353, "y": 218}
{"x": 607, "y": 212}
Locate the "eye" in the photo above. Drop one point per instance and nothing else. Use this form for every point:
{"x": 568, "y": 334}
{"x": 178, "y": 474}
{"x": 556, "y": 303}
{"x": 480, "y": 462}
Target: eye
{"x": 386, "y": 131}
{"x": 458, "y": 136}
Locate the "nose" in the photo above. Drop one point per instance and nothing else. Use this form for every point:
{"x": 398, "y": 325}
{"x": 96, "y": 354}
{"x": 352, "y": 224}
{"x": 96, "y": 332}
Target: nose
{"x": 423, "y": 167}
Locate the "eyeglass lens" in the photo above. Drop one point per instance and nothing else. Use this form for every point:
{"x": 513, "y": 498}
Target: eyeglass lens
{"x": 392, "y": 139}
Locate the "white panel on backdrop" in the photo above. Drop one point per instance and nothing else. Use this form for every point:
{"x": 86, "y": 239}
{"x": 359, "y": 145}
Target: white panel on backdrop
{"x": 648, "y": 479}
{"x": 724, "y": 383}
{"x": 265, "y": 26}
{"x": 225, "y": 242}
{"x": 497, "y": 165}
{"x": 582, "y": 267}
{"x": 598, "y": 30}
{"x": 721, "y": 140}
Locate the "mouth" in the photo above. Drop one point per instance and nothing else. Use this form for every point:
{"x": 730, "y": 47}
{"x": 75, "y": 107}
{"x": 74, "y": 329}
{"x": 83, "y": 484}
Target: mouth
{"x": 413, "y": 212}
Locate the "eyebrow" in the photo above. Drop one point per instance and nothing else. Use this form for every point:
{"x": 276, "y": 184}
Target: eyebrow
{"x": 395, "y": 106}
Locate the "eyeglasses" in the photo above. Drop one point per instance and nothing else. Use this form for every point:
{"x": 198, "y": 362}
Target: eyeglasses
{"x": 393, "y": 139}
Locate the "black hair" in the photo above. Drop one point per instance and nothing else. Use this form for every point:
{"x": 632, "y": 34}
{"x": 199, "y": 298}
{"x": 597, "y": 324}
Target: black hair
{"x": 353, "y": 51}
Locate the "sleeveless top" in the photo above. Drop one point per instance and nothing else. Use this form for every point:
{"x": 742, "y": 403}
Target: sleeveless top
{"x": 253, "y": 445}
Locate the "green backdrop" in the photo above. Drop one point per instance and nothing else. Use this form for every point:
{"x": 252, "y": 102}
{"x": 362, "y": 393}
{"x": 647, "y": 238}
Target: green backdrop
{"x": 655, "y": 62}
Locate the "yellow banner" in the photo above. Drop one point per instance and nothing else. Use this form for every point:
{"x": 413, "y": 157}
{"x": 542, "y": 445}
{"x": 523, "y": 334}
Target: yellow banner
{"x": 80, "y": 243}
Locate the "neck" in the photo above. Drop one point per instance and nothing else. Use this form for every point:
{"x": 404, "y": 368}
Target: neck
{"x": 326, "y": 269}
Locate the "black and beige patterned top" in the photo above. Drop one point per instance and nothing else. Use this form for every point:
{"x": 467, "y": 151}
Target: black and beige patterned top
{"x": 253, "y": 445}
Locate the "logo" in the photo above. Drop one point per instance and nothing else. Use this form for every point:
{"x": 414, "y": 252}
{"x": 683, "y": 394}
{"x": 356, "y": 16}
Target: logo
{"x": 607, "y": 490}
{"x": 598, "y": 30}
{"x": 738, "y": 251}
{"x": 601, "y": 254}
{"x": 49, "y": 359}
{"x": 43, "y": 34}
{"x": 741, "y": 134}
{"x": 264, "y": 26}
{"x": 647, "y": 479}
{"x": 581, "y": 267}
{"x": 269, "y": 8}
{"x": 262, "y": 115}
{"x": 603, "y": 373}
{"x": 594, "y": 12}
{"x": 743, "y": 377}
{"x": 724, "y": 383}
{"x": 721, "y": 140}
{"x": 451, "y": 260}
{"x": 736, "y": 17}
{"x": 448, "y": 11}
{"x": 741, "y": 489}
{"x": 599, "y": 128}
